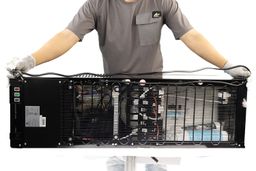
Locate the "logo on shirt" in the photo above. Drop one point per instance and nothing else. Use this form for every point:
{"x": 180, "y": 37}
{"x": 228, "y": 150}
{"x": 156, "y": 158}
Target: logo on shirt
{"x": 156, "y": 14}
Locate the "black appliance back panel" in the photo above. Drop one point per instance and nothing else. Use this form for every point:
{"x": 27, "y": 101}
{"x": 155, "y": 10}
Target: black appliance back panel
{"x": 89, "y": 112}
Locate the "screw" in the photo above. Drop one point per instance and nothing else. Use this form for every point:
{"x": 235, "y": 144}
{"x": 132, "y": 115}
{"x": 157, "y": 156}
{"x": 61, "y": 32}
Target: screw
{"x": 117, "y": 89}
{"x": 115, "y": 137}
{"x": 200, "y": 83}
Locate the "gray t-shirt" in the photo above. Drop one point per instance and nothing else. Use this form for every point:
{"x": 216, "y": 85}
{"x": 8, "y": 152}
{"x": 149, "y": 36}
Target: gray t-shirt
{"x": 129, "y": 33}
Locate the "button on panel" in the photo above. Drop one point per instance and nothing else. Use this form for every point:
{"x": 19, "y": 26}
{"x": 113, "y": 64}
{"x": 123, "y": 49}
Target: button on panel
{"x": 16, "y": 88}
{"x": 16, "y": 100}
{"x": 16, "y": 94}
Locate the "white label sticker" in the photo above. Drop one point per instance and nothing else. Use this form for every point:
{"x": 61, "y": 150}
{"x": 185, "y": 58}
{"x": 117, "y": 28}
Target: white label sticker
{"x": 42, "y": 121}
{"x": 33, "y": 117}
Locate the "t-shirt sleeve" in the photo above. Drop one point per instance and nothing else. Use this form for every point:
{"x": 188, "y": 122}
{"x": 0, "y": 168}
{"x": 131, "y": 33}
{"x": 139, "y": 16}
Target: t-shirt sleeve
{"x": 85, "y": 19}
{"x": 174, "y": 19}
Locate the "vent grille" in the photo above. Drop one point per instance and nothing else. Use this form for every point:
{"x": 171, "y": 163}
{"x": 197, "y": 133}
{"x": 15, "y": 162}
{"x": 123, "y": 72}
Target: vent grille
{"x": 96, "y": 111}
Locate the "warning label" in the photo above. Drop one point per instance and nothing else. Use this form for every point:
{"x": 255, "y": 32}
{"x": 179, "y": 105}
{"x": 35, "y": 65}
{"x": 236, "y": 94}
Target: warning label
{"x": 33, "y": 117}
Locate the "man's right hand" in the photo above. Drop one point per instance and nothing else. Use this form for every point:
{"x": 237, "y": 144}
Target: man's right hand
{"x": 54, "y": 48}
{"x": 21, "y": 64}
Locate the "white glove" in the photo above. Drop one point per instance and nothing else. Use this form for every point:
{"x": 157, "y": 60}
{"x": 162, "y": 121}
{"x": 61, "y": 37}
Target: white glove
{"x": 21, "y": 64}
{"x": 237, "y": 72}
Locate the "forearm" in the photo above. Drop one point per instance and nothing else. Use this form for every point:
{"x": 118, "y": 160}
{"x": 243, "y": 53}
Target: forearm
{"x": 55, "y": 47}
{"x": 202, "y": 47}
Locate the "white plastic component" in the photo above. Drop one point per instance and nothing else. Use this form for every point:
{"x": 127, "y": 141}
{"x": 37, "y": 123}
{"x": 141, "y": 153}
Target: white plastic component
{"x": 144, "y": 130}
{"x": 160, "y": 109}
{"x": 142, "y": 82}
{"x": 127, "y": 81}
{"x": 115, "y": 96}
{"x": 136, "y": 101}
{"x": 145, "y": 102}
{"x": 161, "y": 92}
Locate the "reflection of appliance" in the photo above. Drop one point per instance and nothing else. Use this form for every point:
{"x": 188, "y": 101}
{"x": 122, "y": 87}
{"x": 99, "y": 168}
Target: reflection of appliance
{"x": 54, "y": 112}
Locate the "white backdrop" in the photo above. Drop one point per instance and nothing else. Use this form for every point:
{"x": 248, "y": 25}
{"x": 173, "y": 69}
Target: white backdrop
{"x": 27, "y": 24}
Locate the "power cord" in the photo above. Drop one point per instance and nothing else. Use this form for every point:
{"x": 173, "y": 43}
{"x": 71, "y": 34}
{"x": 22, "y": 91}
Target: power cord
{"x": 17, "y": 73}
{"x": 180, "y": 71}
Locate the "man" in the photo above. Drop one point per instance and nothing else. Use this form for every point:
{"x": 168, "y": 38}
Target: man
{"x": 129, "y": 35}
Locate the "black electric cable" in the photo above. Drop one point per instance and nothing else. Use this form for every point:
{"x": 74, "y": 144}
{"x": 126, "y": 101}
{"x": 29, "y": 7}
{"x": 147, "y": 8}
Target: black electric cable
{"x": 178, "y": 71}
{"x": 198, "y": 82}
{"x": 17, "y": 73}
{"x": 80, "y": 75}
